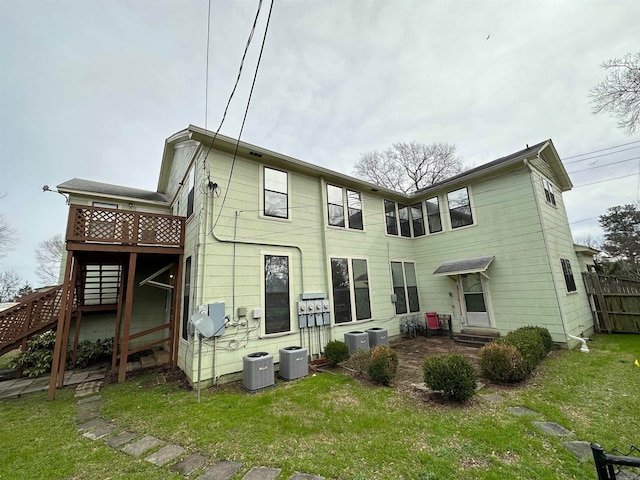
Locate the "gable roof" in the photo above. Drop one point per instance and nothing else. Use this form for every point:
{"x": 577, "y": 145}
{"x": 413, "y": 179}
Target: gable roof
{"x": 544, "y": 150}
{"x": 79, "y": 185}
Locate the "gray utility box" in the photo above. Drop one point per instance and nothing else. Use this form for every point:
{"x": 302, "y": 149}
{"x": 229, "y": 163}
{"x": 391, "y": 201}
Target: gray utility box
{"x": 293, "y": 363}
{"x": 377, "y": 336}
{"x": 357, "y": 341}
{"x": 257, "y": 371}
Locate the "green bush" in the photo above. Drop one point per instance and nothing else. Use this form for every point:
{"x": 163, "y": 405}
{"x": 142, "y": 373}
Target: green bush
{"x": 91, "y": 353}
{"x": 336, "y": 352}
{"x": 502, "y": 363}
{"x": 545, "y": 336}
{"x": 37, "y": 358}
{"x": 359, "y": 362}
{"x": 529, "y": 344}
{"x": 383, "y": 365}
{"x": 451, "y": 374}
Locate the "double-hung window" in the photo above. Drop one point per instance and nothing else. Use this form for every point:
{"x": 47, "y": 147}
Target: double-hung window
{"x": 276, "y": 193}
{"x": 390, "y": 217}
{"x": 417, "y": 220}
{"x": 568, "y": 275}
{"x": 548, "y": 192}
{"x": 405, "y": 287}
{"x": 277, "y": 311}
{"x": 191, "y": 187}
{"x": 403, "y": 216}
{"x": 409, "y": 219}
{"x": 433, "y": 215}
{"x": 460, "y": 208}
{"x": 337, "y": 198}
{"x": 350, "y": 282}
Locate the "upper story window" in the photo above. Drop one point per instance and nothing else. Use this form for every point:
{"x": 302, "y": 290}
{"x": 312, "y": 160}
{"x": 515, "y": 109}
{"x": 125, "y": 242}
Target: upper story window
{"x": 350, "y": 282}
{"x": 337, "y": 197}
{"x": 433, "y": 215}
{"x": 408, "y": 220}
{"x": 277, "y": 310}
{"x": 405, "y": 287}
{"x": 548, "y": 192}
{"x": 390, "y": 217}
{"x": 568, "y": 275}
{"x": 276, "y": 196}
{"x": 417, "y": 220}
{"x": 191, "y": 183}
{"x": 460, "y": 208}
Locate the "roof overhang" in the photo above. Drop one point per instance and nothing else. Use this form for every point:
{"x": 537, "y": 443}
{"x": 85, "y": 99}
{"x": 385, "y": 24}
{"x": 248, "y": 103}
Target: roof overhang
{"x": 585, "y": 250}
{"x": 463, "y": 266}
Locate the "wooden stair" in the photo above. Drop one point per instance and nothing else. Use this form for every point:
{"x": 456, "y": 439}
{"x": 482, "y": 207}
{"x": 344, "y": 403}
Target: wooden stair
{"x": 475, "y": 338}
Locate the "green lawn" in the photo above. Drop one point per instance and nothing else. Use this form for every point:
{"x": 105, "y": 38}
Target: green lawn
{"x": 333, "y": 426}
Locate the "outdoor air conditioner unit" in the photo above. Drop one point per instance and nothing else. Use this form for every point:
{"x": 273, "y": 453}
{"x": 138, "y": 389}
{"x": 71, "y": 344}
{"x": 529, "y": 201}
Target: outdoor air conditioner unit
{"x": 378, "y": 336}
{"x": 257, "y": 371}
{"x": 293, "y": 363}
{"x": 357, "y": 341}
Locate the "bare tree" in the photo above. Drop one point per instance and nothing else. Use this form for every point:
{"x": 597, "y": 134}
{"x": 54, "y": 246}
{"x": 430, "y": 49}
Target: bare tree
{"x": 408, "y": 167}
{"x": 9, "y": 282}
{"x": 8, "y": 237}
{"x": 619, "y": 92}
{"x": 48, "y": 258}
{"x": 587, "y": 239}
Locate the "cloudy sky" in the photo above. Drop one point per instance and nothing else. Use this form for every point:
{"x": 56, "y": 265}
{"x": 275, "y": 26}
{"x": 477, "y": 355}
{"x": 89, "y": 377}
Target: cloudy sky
{"x": 91, "y": 89}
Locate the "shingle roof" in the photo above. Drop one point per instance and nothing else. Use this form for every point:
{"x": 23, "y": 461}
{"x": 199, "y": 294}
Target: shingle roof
{"x": 464, "y": 265}
{"x": 88, "y": 186}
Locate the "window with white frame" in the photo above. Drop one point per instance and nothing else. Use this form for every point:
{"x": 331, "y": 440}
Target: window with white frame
{"x": 405, "y": 287}
{"x": 433, "y": 215}
{"x": 337, "y": 197}
{"x": 568, "y": 275}
{"x": 548, "y": 192}
{"x": 460, "y": 208}
{"x": 276, "y": 193}
{"x": 191, "y": 187}
{"x": 417, "y": 220}
{"x": 390, "y": 217}
{"x": 404, "y": 219}
{"x": 350, "y": 283}
{"x": 277, "y": 311}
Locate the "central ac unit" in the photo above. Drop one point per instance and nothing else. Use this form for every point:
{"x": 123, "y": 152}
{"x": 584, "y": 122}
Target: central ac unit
{"x": 377, "y": 336}
{"x": 357, "y": 341}
{"x": 257, "y": 371}
{"x": 293, "y": 363}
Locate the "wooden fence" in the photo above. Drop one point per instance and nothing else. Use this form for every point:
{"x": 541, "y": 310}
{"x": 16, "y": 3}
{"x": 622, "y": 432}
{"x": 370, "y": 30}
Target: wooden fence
{"x": 615, "y": 302}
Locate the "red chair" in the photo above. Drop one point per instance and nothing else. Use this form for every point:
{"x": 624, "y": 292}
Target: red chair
{"x": 433, "y": 324}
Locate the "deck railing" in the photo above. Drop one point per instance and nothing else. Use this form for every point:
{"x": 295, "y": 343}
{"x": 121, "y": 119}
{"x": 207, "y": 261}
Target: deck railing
{"x": 35, "y": 314}
{"x": 125, "y": 227}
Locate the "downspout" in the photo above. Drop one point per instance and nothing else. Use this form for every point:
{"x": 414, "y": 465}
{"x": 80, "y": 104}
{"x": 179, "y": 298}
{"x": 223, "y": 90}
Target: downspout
{"x": 546, "y": 246}
{"x": 583, "y": 347}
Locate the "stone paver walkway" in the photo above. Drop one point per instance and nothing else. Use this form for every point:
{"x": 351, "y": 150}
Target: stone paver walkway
{"x": 22, "y": 386}
{"x": 156, "y": 451}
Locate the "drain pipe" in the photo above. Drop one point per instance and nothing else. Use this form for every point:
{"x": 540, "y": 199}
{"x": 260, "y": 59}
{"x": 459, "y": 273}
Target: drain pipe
{"x": 583, "y": 347}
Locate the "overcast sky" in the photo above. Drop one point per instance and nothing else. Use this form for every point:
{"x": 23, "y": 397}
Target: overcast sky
{"x": 91, "y": 89}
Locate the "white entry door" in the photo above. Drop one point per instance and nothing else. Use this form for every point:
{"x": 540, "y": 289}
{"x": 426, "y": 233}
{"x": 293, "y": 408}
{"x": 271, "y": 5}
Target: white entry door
{"x": 475, "y": 303}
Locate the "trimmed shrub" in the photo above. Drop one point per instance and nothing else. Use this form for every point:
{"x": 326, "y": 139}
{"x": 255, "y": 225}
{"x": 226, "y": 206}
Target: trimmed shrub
{"x": 359, "y": 362}
{"x": 545, "y": 336}
{"x": 38, "y": 356}
{"x": 529, "y": 344}
{"x": 91, "y": 353}
{"x": 336, "y": 352}
{"x": 383, "y": 365}
{"x": 451, "y": 374}
{"x": 502, "y": 363}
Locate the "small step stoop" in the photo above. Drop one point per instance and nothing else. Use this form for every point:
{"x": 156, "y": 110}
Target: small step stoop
{"x": 477, "y": 339}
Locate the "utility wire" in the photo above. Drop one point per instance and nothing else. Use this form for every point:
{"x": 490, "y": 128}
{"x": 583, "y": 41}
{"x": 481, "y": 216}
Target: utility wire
{"x": 244, "y": 118}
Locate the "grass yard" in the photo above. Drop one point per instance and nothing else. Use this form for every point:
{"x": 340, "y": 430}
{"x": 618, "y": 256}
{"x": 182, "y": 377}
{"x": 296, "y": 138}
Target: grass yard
{"x": 334, "y": 426}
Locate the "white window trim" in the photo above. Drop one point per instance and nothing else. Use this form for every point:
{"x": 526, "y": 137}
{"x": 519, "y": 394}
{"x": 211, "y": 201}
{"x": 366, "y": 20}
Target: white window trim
{"x": 486, "y": 291}
{"x": 261, "y": 214}
{"x": 293, "y": 318}
{"x": 426, "y": 216}
{"x": 352, "y": 292}
{"x": 471, "y": 206}
{"x": 551, "y": 191}
{"x": 404, "y": 280}
{"x": 345, "y": 205}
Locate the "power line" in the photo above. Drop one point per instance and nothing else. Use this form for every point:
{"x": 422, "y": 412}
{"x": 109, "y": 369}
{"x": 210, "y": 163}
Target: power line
{"x": 601, "y": 150}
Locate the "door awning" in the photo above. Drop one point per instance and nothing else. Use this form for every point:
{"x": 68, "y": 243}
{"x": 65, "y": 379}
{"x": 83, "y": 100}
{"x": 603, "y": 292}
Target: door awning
{"x": 464, "y": 265}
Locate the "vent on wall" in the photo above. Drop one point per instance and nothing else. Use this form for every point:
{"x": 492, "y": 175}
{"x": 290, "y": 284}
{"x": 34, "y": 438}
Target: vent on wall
{"x": 257, "y": 371}
{"x": 293, "y": 363}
